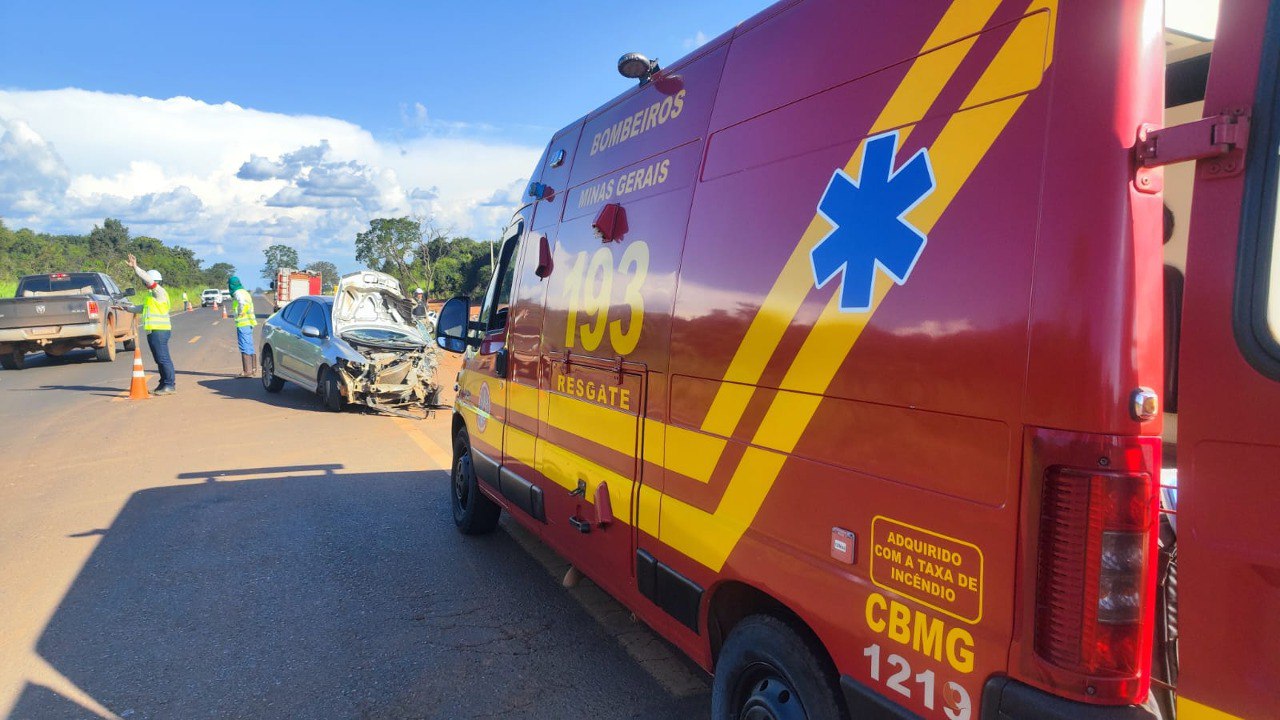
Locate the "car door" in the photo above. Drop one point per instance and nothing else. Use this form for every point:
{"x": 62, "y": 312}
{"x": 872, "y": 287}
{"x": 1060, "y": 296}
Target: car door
{"x": 1228, "y": 448}
{"x": 287, "y": 343}
{"x": 309, "y": 352}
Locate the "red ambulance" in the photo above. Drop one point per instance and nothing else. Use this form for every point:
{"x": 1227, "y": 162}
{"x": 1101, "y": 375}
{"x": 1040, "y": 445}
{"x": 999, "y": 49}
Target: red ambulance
{"x": 852, "y": 351}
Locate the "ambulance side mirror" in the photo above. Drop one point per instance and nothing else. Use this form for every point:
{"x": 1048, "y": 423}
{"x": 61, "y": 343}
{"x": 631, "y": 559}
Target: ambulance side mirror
{"x": 452, "y": 325}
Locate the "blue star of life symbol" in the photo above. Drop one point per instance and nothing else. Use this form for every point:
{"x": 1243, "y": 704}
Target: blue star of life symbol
{"x": 869, "y": 229}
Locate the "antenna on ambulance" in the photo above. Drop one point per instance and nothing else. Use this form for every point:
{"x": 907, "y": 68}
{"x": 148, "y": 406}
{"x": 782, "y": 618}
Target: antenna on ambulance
{"x": 637, "y": 67}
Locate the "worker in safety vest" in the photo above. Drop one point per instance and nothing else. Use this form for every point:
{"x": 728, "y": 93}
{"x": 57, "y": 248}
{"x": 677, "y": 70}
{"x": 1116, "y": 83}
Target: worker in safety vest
{"x": 155, "y": 320}
{"x": 246, "y": 319}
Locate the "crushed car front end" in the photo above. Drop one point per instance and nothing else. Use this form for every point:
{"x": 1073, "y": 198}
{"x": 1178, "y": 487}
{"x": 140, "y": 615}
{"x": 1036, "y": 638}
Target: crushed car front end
{"x": 387, "y": 363}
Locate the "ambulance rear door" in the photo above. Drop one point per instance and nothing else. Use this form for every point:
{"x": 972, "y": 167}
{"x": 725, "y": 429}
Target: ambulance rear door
{"x": 1228, "y": 446}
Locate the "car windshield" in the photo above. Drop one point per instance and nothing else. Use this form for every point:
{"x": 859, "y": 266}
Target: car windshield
{"x": 382, "y": 336}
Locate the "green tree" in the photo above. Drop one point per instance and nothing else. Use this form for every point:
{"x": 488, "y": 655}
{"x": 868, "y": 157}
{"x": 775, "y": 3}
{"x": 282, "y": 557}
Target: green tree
{"x": 108, "y": 244}
{"x": 278, "y": 256}
{"x": 390, "y": 244}
{"x": 328, "y": 273}
{"x": 218, "y": 274}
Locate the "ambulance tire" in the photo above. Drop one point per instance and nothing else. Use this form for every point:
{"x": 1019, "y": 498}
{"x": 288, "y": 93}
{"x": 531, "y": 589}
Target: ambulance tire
{"x": 473, "y": 512}
{"x": 769, "y": 669}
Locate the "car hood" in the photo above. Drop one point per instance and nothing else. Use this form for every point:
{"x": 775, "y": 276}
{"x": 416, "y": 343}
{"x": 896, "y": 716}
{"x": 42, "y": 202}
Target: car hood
{"x": 368, "y": 301}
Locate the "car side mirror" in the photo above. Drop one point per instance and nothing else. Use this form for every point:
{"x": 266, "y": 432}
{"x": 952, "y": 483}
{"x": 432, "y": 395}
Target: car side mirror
{"x": 311, "y": 331}
{"x": 452, "y": 326}
{"x": 128, "y": 292}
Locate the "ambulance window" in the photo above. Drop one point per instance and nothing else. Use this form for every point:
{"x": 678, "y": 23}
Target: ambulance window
{"x": 498, "y": 301}
{"x": 1257, "y": 301}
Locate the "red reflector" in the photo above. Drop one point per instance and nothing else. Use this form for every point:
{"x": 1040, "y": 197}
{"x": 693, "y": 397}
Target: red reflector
{"x": 58, "y": 276}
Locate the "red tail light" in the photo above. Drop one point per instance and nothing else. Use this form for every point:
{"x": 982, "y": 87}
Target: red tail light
{"x": 93, "y": 310}
{"x": 1095, "y": 578}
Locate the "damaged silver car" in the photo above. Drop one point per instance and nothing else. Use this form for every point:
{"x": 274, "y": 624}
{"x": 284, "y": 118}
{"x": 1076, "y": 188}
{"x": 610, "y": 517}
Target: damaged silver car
{"x": 359, "y": 347}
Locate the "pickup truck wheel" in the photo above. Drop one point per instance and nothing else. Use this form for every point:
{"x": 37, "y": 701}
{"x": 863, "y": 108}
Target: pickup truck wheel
{"x": 330, "y": 390}
{"x": 131, "y": 343}
{"x": 15, "y": 360}
{"x": 767, "y": 669}
{"x": 473, "y": 512}
{"x": 270, "y": 382}
{"x": 107, "y": 353}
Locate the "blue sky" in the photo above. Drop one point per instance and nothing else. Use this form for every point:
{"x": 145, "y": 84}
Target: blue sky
{"x": 523, "y": 68}
{"x": 233, "y": 125}
{"x": 166, "y": 114}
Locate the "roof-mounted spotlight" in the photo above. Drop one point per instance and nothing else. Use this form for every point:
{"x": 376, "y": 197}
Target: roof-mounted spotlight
{"x": 637, "y": 67}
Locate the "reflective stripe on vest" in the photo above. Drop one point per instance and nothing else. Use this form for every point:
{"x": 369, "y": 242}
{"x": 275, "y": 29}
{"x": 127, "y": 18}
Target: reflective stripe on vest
{"x": 244, "y": 314}
{"x": 155, "y": 315}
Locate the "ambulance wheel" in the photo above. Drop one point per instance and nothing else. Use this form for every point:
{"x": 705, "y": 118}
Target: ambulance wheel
{"x": 767, "y": 669}
{"x": 473, "y": 512}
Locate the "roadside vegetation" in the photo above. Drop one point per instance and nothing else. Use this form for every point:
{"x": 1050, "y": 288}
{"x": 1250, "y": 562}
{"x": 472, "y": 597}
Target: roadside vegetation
{"x": 105, "y": 249}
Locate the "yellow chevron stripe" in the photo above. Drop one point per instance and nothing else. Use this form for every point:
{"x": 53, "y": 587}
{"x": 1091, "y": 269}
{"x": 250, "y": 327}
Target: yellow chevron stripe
{"x": 966, "y": 138}
{"x": 1190, "y": 710}
{"x": 924, "y": 81}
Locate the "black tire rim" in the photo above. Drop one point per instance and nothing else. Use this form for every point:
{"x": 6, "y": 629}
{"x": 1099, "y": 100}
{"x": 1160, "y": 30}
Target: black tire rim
{"x": 268, "y": 366}
{"x": 765, "y": 694}
{"x": 461, "y": 484}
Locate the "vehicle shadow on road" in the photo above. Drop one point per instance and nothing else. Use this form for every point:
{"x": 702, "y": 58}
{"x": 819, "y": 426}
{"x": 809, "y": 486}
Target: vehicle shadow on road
{"x": 316, "y": 592}
{"x": 235, "y": 388}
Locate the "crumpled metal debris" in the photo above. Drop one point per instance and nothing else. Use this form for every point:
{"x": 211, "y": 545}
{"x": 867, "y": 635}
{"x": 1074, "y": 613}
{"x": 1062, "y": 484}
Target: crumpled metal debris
{"x": 393, "y": 381}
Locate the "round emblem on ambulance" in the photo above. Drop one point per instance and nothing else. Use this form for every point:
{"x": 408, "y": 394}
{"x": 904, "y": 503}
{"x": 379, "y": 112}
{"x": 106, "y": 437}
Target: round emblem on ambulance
{"x": 484, "y": 404}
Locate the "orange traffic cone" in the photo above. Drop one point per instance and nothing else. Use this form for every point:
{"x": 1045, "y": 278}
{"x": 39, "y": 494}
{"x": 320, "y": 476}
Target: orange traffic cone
{"x": 224, "y": 312}
{"x": 138, "y": 388}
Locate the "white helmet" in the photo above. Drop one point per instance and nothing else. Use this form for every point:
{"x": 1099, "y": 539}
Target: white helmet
{"x": 419, "y": 291}
{"x": 155, "y": 275}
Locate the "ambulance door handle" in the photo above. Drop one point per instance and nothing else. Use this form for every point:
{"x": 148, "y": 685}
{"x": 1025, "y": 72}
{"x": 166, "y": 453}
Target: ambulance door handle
{"x": 500, "y": 363}
{"x": 581, "y": 490}
{"x": 579, "y": 524}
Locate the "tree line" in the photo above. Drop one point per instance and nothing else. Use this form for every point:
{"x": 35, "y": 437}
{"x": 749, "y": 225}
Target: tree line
{"x": 104, "y": 249}
{"x": 416, "y": 253}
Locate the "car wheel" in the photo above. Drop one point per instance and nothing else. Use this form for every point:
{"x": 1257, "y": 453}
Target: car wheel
{"x": 767, "y": 669}
{"x": 330, "y": 390}
{"x": 132, "y": 343}
{"x": 107, "y": 353}
{"x": 270, "y": 382}
{"x": 473, "y": 512}
{"x": 15, "y": 360}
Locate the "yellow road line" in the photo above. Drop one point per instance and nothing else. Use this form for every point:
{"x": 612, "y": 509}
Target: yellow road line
{"x": 193, "y": 340}
{"x": 429, "y": 447}
{"x": 215, "y": 322}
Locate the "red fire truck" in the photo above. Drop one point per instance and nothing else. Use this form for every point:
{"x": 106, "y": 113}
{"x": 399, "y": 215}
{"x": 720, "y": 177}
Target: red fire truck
{"x": 290, "y": 284}
{"x": 852, "y": 351}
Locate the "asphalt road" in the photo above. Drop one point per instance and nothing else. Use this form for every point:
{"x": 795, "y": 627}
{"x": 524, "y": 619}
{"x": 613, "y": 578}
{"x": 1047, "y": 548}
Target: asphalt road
{"x": 223, "y": 553}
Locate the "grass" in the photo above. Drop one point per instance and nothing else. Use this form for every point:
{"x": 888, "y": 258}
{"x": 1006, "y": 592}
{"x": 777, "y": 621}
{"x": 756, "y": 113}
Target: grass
{"x": 7, "y": 287}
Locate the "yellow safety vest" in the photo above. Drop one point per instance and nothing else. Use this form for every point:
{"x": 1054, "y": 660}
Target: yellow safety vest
{"x": 155, "y": 314}
{"x": 244, "y": 313}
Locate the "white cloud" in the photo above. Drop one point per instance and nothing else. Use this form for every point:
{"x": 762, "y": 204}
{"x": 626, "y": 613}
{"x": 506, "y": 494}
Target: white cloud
{"x": 33, "y": 176}
{"x": 698, "y": 40}
{"x": 227, "y": 181}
